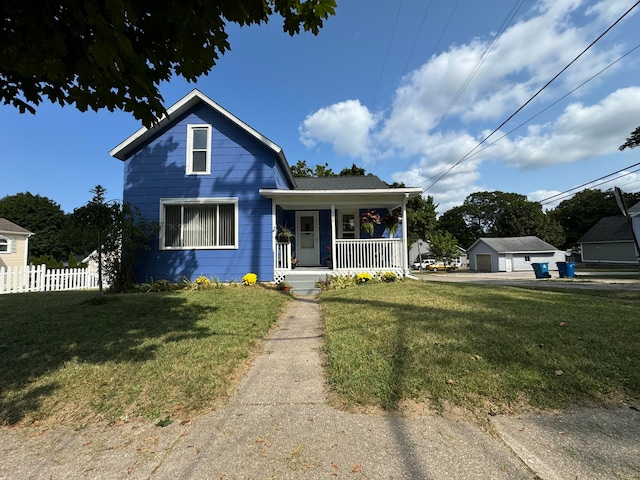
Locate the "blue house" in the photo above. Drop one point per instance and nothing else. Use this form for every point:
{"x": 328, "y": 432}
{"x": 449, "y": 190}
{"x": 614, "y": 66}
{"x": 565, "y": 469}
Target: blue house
{"x": 222, "y": 192}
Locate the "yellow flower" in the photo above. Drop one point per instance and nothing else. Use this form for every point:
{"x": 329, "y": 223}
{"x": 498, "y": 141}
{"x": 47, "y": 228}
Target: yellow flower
{"x": 249, "y": 279}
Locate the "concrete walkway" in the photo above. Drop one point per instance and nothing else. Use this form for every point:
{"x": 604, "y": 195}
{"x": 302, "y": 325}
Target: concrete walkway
{"x": 279, "y": 426}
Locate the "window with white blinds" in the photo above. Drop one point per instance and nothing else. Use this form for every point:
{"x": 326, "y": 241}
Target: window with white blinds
{"x": 199, "y": 224}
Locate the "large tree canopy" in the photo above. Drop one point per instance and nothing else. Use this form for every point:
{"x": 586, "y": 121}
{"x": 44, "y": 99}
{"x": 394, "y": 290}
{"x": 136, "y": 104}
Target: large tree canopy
{"x": 41, "y": 216}
{"x": 114, "y": 53}
{"x": 499, "y": 214}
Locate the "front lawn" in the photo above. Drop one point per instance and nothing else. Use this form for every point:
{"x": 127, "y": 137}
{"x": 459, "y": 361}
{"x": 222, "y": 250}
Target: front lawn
{"x": 483, "y": 348}
{"x": 74, "y": 357}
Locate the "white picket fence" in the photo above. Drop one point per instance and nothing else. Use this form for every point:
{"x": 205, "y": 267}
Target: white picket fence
{"x": 38, "y": 278}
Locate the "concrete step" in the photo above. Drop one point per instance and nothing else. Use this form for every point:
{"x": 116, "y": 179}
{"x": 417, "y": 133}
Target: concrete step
{"x": 304, "y": 282}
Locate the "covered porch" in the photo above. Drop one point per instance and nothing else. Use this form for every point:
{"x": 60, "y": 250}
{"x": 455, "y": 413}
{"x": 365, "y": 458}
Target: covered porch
{"x": 328, "y": 236}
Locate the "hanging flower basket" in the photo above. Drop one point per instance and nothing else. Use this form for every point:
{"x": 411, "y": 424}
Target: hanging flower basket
{"x": 369, "y": 220}
{"x": 391, "y": 221}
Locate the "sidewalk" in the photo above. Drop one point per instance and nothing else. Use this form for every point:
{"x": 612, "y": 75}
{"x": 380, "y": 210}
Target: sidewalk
{"x": 278, "y": 426}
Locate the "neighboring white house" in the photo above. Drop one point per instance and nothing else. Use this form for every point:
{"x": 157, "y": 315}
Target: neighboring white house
{"x": 14, "y": 244}
{"x": 420, "y": 249}
{"x": 512, "y": 254}
{"x": 611, "y": 240}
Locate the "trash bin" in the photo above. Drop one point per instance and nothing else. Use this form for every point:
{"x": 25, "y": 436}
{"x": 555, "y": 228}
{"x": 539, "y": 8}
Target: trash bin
{"x": 562, "y": 269}
{"x": 541, "y": 270}
{"x": 566, "y": 269}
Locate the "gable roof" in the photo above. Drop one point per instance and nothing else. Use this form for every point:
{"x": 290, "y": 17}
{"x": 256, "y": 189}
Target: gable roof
{"x": 9, "y": 227}
{"x": 634, "y": 209}
{"x": 609, "y": 229}
{"x": 347, "y": 182}
{"x": 128, "y": 146}
{"x": 529, "y": 244}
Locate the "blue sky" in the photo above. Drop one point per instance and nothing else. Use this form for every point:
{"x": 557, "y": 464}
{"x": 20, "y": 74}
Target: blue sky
{"x": 402, "y": 88}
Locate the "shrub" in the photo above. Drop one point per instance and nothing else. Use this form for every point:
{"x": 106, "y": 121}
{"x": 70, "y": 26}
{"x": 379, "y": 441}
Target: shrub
{"x": 389, "y": 277}
{"x": 250, "y": 279}
{"x": 363, "y": 277}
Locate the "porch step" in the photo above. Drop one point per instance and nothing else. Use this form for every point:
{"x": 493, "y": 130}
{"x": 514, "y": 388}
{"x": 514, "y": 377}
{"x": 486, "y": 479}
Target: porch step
{"x": 304, "y": 283}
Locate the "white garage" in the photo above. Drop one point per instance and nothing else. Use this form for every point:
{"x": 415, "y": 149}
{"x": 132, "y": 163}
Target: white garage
{"x": 512, "y": 254}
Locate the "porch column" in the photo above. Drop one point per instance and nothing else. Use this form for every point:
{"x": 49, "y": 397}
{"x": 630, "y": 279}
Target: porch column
{"x": 405, "y": 249}
{"x": 333, "y": 236}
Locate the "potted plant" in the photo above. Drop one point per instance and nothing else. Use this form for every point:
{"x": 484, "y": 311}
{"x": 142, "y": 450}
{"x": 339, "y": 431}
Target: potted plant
{"x": 294, "y": 262}
{"x": 329, "y": 257}
{"x": 369, "y": 220}
{"x": 283, "y": 286}
{"x": 284, "y": 234}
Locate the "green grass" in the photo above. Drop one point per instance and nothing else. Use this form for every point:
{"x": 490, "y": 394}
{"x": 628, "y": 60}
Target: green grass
{"x": 72, "y": 356}
{"x": 481, "y": 347}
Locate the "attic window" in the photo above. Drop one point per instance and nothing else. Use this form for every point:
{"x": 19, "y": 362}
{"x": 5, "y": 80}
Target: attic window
{"x": 198, "y": 149}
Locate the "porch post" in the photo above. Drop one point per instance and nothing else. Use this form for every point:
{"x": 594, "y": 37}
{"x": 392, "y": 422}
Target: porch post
{"x": 273, "y": 233}
{"x": 405, "y": 249}
{"x": 333, "y": 236}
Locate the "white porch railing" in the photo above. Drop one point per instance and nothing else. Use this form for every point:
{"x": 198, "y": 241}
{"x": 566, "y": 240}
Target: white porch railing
{"x": 283, "y": 256}
{"x": 37, "y": 278}
{"x": 372, "y": 255}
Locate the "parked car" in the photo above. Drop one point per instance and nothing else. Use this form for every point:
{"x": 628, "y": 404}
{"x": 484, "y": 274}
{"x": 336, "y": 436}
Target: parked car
{"x": 442, "y": 266}
{"x": 424, "y": 265}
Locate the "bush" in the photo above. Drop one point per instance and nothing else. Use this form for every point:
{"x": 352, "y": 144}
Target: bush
{"x": 250, "y": 279}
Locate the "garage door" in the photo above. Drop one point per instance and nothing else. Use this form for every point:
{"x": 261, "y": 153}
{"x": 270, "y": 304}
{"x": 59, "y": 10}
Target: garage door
{"x": 483, "y": 262}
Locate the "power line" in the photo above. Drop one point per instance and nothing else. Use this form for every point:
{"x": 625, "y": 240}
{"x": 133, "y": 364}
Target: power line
{"x": 567, "y": 193}
{"x": 545, "y": 109}
{"x": 533, "y": 97}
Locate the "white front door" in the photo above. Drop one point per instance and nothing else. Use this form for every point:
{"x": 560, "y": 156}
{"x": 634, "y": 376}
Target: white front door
{"x": 307, "y": 239}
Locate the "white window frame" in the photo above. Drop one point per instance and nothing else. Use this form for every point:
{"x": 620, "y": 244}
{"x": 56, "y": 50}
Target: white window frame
{"x": 5, "y": 241}
{"x": 356, "y": 227}
{"x": 199, "y": 201}
{"x": 190, "y": 133}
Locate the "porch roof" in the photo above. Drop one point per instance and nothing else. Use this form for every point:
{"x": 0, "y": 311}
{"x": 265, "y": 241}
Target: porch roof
{"x": 365, "y": 197}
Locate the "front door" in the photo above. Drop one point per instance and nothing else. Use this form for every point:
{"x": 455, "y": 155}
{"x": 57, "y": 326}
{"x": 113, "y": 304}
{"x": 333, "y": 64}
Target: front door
{"x": 307, "y": 239}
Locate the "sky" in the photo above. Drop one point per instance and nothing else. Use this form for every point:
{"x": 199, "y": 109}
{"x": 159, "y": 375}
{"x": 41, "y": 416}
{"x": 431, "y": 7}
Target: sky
{"x": 410, "y": 90}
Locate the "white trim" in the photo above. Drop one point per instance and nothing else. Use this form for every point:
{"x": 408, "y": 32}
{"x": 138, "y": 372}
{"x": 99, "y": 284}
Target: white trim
{"x": 122, "y": 150}
{"x": 189, "y": 153}
{"x": 8, "y": 243}
{"x": 356, "y": 225}
{"x": 199, "y": 201}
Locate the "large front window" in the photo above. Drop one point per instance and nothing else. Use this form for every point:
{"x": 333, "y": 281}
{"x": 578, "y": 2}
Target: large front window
{"x": 199, "y": 223}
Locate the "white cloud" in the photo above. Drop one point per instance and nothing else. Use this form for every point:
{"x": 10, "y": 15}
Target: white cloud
{"x": 344, "y": 125}
{"x": 431, "y": 123}
{"x": 580, "y": 132}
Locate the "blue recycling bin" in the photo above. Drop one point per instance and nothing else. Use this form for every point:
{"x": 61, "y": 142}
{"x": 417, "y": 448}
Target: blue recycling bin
{"x": 541, "y": 270}
{"x": 566, "y": 269}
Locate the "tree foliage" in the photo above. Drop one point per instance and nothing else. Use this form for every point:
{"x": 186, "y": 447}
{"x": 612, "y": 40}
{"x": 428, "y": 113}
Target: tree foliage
{"x": 499, "y": 214}
{"x": 354, "y": 170}
{"x": 301, "y": 169}
{"x": 40, "y": 215}
{"x": 443, "y": 246}
{"x": 632, "y": 141}
{"x": 421, "y": 217}
{"x": 114, "y": 54}
{"x": 582, "y": 211}
{"x": 119, "y": 235}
